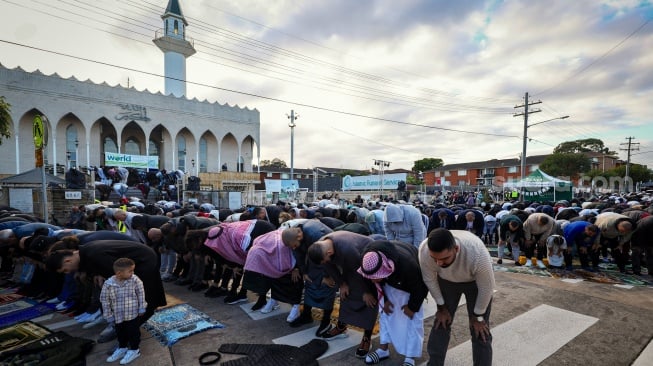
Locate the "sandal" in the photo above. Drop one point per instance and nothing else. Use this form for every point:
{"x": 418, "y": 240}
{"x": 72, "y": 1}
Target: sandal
{"x": 375, "y": 358}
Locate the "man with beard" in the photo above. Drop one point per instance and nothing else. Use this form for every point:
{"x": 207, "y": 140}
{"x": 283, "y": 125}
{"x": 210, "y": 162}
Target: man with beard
{"x": 453, "y": 263}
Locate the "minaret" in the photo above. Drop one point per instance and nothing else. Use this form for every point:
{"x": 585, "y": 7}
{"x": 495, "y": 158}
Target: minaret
{"x": 176, "y": 48}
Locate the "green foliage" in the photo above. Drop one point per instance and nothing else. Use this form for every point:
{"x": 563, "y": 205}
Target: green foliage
{"x": 275, "y": 163}
{"x": 5, "y": 119}
{"x": 638, "y": 173}
{"x": 413, "y": 180}
{"x": 583, "y": 145}
{"x": 566, "y": 164}
{"x": 425, "y": 164}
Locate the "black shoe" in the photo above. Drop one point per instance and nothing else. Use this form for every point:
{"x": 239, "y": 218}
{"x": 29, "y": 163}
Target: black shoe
{"x": 235, "y": 299}
{"x": 260, "y": 303}
{"x": 215, "y": 291}
{"x": 500, "y": 261}
{"x": 324, "y": 327}
{"x": 199, "y": 286}
{"x": 517, "y": 264}
{"x": 303, "y": 319}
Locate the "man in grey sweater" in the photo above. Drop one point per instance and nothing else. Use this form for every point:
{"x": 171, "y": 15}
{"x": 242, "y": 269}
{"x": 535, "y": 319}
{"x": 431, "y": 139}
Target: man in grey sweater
{"x": 454, "y": 263}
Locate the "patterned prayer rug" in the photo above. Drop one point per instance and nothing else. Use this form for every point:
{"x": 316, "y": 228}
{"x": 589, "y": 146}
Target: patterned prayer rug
{"x": 171, "y": 324}
{"x": 7, "y": 298}
{"x": 21, "y": 334}
{"x": 15, "y": 306}
{"x": 17, "y": 316}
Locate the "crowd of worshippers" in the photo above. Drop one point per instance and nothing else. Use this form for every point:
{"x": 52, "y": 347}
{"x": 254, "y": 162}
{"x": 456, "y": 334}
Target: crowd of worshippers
{"x": 380, "y": 259}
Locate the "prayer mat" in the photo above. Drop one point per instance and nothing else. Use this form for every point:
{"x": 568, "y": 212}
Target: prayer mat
{"x": 318, "y": 315}
{"x": 34, "y": 311}
{"x": 54, "y": 349}
{"x": 15, "y": 306}
{"x": 21, "y": 334}
{"x": 171, "y": 324}
{"x": 7, "y": 298}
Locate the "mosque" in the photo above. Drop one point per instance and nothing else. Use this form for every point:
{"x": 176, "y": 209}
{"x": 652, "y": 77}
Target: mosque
{"x": 88, "y": 124}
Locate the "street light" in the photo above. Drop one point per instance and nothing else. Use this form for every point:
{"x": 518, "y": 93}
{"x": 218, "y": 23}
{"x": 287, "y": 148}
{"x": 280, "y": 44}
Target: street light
{"x": 192, "y": 162}
{"x": 76, "y": 153}
{"x": 292, "y": 117}
{"x": 523, "y": 153}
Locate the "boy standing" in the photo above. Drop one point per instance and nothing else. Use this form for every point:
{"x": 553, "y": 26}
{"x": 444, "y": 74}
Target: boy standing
{"x": 123, "y": 301}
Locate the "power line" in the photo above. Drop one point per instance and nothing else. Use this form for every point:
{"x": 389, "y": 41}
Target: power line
{"x": 583, "y": 69}
{"x": 256, "y": 95}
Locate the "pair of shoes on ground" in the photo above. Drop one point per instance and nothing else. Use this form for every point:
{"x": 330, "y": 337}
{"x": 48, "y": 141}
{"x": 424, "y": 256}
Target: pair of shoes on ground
{"x": 334, "y": 333}
{"x": 301, "y": 320}
{"x": 54, "y": 300}
{"x": 377, "y": 356}
{"x": 363, "y": 348}
{"x": 323, "y": 327}
{"x": 124, "y": 355}
{"x": 64, "y": 305}
{"x": 270, "y": 306}
{"x": 540, "y": 264}
{"x": 89, "y": 317}
{"x": 260, "y": 303}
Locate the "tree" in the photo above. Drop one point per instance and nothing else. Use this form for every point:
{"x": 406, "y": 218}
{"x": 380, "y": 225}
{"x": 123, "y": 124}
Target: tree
{"x": 274, "y": 163}
{"x": 566, "y": 164}
{"x": 5, "y": 119}
{"x": 638, "y": 173}
{"x": 425, "y": 164}
{"x": 583, "y": 145}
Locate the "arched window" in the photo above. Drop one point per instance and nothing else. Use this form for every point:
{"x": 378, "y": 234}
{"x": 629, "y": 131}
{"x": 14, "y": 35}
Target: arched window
{"x": 241, "y": 165}
{"x": 132, "y": 147}
{"x": 72, "y": 144}
{"x": 181, "y": 153}
{"x": 176, "y": 28}
{"x": 203, "y": 155}
{"x": 153, "y": 148}
{"x": 110, "y": 145}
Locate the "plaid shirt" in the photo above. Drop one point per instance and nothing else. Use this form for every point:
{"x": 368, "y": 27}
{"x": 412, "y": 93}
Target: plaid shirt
{"x": 122, "y": 300}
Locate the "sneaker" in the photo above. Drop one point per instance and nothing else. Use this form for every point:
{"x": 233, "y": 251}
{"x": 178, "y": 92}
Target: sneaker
{"x": 270, "y": 306}
{"x": 500, "y": 261}
{"x": 54, "y": 300}
{"x": 108, "y": 334}
{"x": 117, "y": 354}
{"x": 294, "y": 314}
{"x": 529, "y": 263}
{"x": 260, "y": 303}
{"x": 235, "y": 299}
{"x": 517, "y": 264}
{"x": 80, "y": 318}
{"x": 215, "y": 291}
{"x": 363, "y": 348}
{"x": 301, "y": 320}
{"x": 64, "y": 305}
{"x": 324, "y": 327}
{"x": 335, "y": 333}
{"x": 540, "y": 264}
{"x": 91, "y": 317}
{"x": 130, "y": 356}
{"x": 98, "y": 321}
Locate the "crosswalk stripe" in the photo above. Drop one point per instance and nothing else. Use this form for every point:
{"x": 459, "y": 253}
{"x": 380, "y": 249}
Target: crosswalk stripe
{"x": 532, "y": 337}
{"x": 257, "y": 315}
{"x": 646, "y": 357}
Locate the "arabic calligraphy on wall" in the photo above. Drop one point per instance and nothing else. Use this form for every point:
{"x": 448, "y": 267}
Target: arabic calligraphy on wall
{"x": 132, "y": 112}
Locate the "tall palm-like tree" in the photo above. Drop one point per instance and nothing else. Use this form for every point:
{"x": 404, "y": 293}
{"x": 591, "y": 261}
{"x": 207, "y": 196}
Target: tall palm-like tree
{"x": 5, "y": 120}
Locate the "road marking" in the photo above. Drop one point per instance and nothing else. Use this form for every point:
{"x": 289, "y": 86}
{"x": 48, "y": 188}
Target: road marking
{"x": 257, "y": 315}
{"x": 646, "y": 357}
{"x": 532, "y": 337}
{"x": 572, "y": 280}
{"x": 627, "y": 287}
{"x": 337, "y": 345}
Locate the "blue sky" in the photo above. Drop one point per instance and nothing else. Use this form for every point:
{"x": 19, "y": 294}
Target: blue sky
{"x": 380, "y": 79}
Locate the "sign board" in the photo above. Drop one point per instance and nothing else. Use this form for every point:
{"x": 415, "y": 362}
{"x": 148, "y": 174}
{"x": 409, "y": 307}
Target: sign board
{"x": 372, "y": 182}
{"x": 21, "y": 199}
{"x": 235, "y": 200}
{"x": 286, "y": 188}
{"x": 73, "y": 195}
{"x": 131, "y": 161}
{"x": 38, "y": 132}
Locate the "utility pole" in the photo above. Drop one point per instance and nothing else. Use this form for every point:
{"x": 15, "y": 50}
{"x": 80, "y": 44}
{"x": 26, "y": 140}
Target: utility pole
{"x": 629, "y": 148}
{"x": 292, "y": 117}
{"x": 523, "y": 150}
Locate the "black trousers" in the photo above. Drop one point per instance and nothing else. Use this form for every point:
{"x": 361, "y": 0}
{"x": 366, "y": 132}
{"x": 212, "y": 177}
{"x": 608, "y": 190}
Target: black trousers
{"x": 129, "y": 334}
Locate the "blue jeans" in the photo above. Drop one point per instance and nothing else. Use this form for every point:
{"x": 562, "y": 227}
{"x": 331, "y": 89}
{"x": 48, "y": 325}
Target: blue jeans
{"x": 439, "y": 338}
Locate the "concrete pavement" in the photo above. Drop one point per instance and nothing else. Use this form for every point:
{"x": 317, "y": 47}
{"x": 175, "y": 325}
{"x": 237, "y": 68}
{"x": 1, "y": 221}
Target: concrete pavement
{"x": 535, "y": 321}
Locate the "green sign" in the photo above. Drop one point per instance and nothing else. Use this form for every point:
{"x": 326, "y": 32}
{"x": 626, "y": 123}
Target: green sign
{"x": 38, "y": 132}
